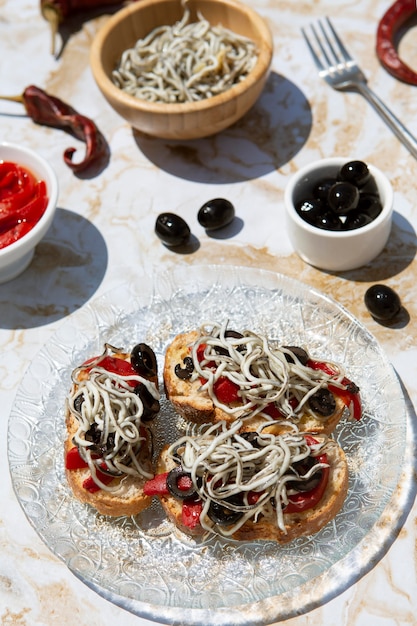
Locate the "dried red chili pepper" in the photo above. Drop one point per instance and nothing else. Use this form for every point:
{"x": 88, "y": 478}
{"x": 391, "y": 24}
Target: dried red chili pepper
{"x": 55, "y": 11}
{"x": 386, "y": 50}
{"x": 51, "y": 111}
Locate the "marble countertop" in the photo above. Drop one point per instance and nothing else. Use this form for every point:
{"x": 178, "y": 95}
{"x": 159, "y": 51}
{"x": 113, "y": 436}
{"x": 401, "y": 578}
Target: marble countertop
{"x": 103, "y": 235}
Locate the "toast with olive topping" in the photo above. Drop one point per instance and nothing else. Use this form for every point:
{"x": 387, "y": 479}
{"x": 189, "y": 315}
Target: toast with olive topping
{"x": 214, "y": 374}
{"x": 108, "y": 448}
{"x": 251, "y": 485}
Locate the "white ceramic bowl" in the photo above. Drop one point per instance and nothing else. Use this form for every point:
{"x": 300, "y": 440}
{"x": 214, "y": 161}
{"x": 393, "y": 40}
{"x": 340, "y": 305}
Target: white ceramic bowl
{"x": 336, "y": 251}
{"x": 15, "y": 258}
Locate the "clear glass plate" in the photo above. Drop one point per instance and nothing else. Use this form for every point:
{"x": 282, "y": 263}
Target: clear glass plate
{"x": 143, "y": 564}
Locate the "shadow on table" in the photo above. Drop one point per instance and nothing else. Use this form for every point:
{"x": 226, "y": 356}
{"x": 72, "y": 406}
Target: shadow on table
{"x": 67, "y": 269}
{"x": 397, "y": 255}
{"x": 266, "y": 138}
{"x": 76, "y": 20}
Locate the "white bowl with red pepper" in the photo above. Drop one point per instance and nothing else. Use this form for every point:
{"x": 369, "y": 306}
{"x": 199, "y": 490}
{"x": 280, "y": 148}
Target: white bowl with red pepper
{"x": 339, "y": 213}
{"x": 28, "y": 198}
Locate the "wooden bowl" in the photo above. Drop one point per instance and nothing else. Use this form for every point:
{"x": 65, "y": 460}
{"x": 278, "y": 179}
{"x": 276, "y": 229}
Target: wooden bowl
{"x": 183, "y": 120}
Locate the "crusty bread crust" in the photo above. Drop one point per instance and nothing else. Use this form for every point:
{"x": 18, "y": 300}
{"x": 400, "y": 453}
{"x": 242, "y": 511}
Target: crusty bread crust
{"x": 196, "y": 405}
{"x": 183, "y": 394}
{"x": 265, "y": 529}
{"x": 128, "y": 498}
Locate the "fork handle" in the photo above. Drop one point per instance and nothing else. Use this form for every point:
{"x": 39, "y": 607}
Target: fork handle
{"x": 397, "y": 127}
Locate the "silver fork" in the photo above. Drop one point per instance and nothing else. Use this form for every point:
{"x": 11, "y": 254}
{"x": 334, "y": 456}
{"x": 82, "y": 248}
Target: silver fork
{"x": 342, "y": 72}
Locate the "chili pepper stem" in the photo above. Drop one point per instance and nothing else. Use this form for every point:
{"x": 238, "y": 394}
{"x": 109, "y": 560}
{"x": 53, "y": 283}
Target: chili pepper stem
{"x": 53, "y": 18}
{"x": 13, "y": 98}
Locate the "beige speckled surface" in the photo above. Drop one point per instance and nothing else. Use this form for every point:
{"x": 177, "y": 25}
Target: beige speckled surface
{"x": 103, "y": 233}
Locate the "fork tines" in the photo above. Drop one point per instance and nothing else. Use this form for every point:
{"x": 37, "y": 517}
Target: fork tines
{"x": 333, "y": 53}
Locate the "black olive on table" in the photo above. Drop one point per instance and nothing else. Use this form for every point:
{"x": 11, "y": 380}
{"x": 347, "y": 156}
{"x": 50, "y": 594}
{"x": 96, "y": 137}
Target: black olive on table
{"x": 216, "y": 213}
{"x": 172, "y": 229}
{"x": 382, "y": 302}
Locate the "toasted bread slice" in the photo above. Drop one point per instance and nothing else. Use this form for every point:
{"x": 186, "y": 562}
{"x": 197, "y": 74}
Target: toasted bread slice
{"x": 127, "y": 498}
{"x": 297, "y": 524}
{"x": 196, "y": 405}
{"x": 122, "y": 495}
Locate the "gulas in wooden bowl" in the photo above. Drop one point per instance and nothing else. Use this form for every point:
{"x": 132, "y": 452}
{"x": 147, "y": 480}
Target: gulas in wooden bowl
{"x": 180, "y": 120}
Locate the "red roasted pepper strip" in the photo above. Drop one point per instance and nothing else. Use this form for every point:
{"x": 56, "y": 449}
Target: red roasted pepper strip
{"x": 303, "y": 501}
{"x": 156, "y": 486}
{"x": 226, "y": 391}
{"x": 73, "y": 460}
{"x": 191, "y": 511}
{"x": 116, "y": 366}
{"x": 51, "y": 111}
{"x": 29, "y": 213}
{"x": 8, "y": 179}
{"x": 350, "y": 397}
{"x": 200, "y": 356}
{"x": 349, "y": 393}
{"x": 17, "y": 188}
{"x": 92, "y": 487}
{"x": 14, "y": 234}
{"x": 386, "y": 49}
{"x": 23, "y": 200}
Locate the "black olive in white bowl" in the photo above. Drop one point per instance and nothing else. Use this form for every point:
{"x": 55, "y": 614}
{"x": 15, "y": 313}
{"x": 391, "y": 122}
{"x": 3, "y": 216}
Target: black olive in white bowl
{"x": 339, "y": 213}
